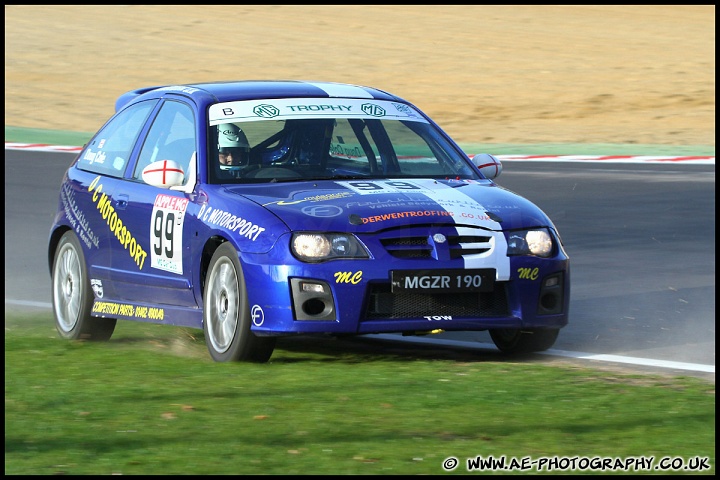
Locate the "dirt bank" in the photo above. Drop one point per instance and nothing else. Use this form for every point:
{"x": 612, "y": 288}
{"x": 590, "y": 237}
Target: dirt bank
{"x": 487, "y": 74}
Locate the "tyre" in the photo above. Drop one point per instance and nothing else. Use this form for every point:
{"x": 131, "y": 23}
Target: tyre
{"x": 515, "y": 340}
{"x": 226, "y": 313}
{"x": 72, "y": 296}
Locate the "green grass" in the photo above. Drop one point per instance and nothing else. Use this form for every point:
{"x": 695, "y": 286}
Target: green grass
{"x": 150, "y": 401}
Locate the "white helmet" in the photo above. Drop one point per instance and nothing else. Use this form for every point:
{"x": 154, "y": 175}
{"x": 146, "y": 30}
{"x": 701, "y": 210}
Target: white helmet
{"x": 232, "y": 140}
{"x": 230, "y": 136}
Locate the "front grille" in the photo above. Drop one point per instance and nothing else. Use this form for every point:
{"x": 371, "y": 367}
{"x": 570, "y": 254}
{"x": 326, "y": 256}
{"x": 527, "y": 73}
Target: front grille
{"x": 383, "y": 304}
{"x": 408, "y": 247}
{"x": 468, "y": 245}
{"x": 423, "y": 247}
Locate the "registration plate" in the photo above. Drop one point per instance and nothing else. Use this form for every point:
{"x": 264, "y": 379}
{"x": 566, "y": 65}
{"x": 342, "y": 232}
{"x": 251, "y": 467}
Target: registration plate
{"x": 443, "y": 281}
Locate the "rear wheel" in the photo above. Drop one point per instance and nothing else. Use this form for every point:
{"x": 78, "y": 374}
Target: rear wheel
{"x": 515, "y": 340}
{"x": 72, "y": 296}
{"x": 226, "y": 315}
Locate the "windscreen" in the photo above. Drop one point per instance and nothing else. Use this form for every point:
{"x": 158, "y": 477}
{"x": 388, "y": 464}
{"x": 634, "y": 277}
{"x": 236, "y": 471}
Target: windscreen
{"x": 329, "y": 138}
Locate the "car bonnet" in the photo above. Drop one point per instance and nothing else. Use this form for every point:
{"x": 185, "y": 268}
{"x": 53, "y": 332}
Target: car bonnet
{"x": 372, "y": 205}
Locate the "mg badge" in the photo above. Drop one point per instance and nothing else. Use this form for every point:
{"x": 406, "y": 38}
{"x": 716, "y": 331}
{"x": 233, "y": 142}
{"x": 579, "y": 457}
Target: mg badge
{"x": 439, "y": 238}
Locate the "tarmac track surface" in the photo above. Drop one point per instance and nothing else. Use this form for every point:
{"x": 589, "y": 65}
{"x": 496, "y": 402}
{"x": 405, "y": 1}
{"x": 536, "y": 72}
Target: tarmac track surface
{"x": 641, "y": 240}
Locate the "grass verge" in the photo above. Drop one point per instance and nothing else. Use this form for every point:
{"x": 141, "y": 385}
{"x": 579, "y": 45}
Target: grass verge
{"x": 150, "y": 401}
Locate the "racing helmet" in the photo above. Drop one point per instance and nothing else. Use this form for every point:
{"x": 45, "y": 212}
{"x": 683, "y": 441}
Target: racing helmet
{"x": 232, "y": 141}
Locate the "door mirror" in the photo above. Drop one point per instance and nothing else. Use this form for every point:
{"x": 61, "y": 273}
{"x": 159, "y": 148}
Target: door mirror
{"x": 163, "y": 174}
{"x": 488, "y": 164}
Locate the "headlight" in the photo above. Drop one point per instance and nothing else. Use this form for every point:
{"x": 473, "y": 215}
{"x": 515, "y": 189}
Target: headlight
{"x": 318, "y": 247}
{"x": 530, "y": 242}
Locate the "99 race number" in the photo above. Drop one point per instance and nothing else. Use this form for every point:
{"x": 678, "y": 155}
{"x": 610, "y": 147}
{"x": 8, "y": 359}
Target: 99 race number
{"x": 163, "y": 232}
{"x": 166, "y": 233}
{"x": 382, "y": 186}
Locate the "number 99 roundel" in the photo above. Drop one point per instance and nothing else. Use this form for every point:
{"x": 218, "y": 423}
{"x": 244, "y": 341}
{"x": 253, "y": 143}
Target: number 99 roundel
{"x": 166, "y": 227}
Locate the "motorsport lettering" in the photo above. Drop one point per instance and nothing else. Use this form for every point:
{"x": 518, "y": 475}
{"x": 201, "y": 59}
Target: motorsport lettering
{"x": 224, "y": 219}
{"x": 121, "y": 232}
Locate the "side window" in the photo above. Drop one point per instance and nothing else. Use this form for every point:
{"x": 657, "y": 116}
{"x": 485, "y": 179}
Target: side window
{"x": 171, "y": 137}
{"x": 415, "y": 157}
{"x": 352, "y": 147}
{"x": 109, "y": 151}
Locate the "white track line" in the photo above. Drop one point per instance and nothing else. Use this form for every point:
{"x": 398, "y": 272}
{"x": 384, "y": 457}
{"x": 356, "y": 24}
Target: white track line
{"x": 26, "y": 303}
{"x": 694, "y": 367}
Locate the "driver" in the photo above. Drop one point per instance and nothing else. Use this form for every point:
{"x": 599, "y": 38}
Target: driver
{"x": 233, "y": 147}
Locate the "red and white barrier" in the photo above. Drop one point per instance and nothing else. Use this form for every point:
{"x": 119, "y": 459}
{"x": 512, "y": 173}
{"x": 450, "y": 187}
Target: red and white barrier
{"x": 685, "y": 159}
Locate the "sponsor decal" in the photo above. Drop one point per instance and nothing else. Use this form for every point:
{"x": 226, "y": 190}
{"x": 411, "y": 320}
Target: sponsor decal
{"x": 97, "y": 287}
{"x": 398, "y": 215}
{"x": 127, "y": 310}
{"x": 320, "y": 108}
{"x": 166, "y": 233}
{"x": 377, "y": 204}
{"x": 322, "y": 211}
{"x": 266, "y": 111}
{"x": 257, "y": 315}
{"x": 341, "y": 150}
{"x": 348, "y": 277}
{"x": 287, "y": 108}
{"x": 77, "y": 218}
{"x": 438, "y": 317}
{"x": 314, "y": 198}
{"x": 374, "y": 110}
{"x": 476, "y": 216}
{"x": 401, "y": 107}
{"x": 94, "y": 157}
{"x": 526, "y": 273}
{"x": 223, "y": 219}
{"x": 124, "y": 236}
{"x": 422, "y": 192}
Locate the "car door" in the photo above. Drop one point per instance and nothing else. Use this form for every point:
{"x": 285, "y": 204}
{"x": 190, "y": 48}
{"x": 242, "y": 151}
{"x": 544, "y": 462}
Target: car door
{"x": 88, "y": 195}
{"x": 156, "y": 216}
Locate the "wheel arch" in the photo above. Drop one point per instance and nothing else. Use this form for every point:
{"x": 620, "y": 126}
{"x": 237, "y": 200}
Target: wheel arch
{"x": 55, "y": 237}
{"x": 212, "y": 244}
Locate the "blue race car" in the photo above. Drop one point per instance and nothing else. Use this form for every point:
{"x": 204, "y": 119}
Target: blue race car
{"x": 258, "y": 209}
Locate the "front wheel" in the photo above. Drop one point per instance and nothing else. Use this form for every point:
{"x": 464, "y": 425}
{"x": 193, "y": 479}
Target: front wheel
{"x": 72, "y": 296}
{"x": 515, "y": 340}
{"x": 226, "y": 315}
